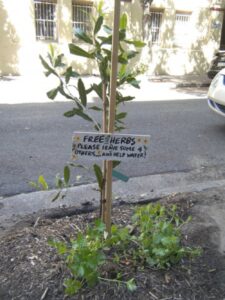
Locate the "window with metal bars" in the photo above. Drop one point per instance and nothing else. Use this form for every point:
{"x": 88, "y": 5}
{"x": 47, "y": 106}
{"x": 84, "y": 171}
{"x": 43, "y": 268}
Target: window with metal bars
{"x": 182, "y": 28}
{"x": 45, "y": 19}
{"x": 81, "y": 15}
{"x": 154, "y": 26}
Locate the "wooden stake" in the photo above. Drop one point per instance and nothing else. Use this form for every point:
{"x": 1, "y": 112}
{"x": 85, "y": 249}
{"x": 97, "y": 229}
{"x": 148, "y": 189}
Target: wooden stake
{"x": 112, "y": 107}
{"x": 104, "y": 129}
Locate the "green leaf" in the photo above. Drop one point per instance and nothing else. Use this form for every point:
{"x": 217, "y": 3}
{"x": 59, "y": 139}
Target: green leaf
{"x": 125, "y": 99}
{"x": 122, "y": 35}
{"x": 96, "y": 108}
{"x": 138, "y": 44}
{"x": 82, "y": 92}
{"x": 122, "y": 60}
{"x": 92, "y": 279}
{"x": 80, "y": 52}
{"x": 107, "y": 29}
{"x": 66, "y": 175}
{"x": 122, "y": 71}
{"x": 98, "y": 25}
{"x": 123, "y": 21}
{"x": 100, "y": 7}
{"x": 121, "y": 115}
{"x": 105, "y": 40}
{"x": 47, "y": 73}
{"x": 131, "y": 285}
{"x": 62, "y": 92}
{"x": 159, "y": 251}
{"x": 98, "y": 89}
{"x": 119, "y": 128}
{"x": 70, "y": 73}
{"x": 103, "y": 68}
{"x": 53, "y": 93}
{"x": 58, "y": 61}
{"x": 84, "y": 116}
{"x": 79, "y": 166}
{"x": 60, "y": 246}
{"x": 56, "y": 197}
{"x": 47, "y": 67}
{"x": 51, "y": 50}
{"x": 99, "y": 175}
{"x": 34, "y": 185}
{"x": 98, "y": 128}
{"x": 72, "y": 286}
{"x": 70, "y": 113}
{"x": 51, "y": 58}
{"x": 58, "y": 182}
{"x": 80, "y": 271}
{"x": 107, "y": 52}
{"x": 108, "y": 40}
{"x": 79, "y": 33}
{"x": 99, "y": 225}
{"x": 131, "y": 54}
{"x": 116, "y": 163}
{"x": 79, "y": 112}
{"x": 135, "y": 83}
{"x": 42, "y": 182}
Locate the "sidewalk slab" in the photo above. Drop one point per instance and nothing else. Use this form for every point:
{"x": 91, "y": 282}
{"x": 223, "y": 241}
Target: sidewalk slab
{"x": 22, "y": 89}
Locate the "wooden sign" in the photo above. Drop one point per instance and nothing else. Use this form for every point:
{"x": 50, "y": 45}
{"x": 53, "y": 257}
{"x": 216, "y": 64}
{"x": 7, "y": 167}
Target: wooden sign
{"x": 104, "y": 146}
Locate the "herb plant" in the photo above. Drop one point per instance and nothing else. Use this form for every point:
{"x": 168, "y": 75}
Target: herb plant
{"x": 155, "y": 240}
{"x": 159, "y": 235}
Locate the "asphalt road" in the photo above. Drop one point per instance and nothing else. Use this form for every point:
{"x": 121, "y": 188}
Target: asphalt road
{"x": 36, "y": 139}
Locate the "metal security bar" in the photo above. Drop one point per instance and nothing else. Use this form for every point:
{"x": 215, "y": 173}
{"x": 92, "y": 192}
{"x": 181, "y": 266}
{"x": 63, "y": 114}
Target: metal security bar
{"x": 182, "y": 29}
{"x": 82, "y": 16}
{"x": 183, "y": 18}
{"x": 155, "y": 24}
{"x": 45, "y": 20}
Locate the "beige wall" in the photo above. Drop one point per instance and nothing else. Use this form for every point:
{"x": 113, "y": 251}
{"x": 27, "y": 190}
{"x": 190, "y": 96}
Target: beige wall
{"x": 195, "y": 54}
{"x": 17, "y": 36}
{"x": 19, "y": 49}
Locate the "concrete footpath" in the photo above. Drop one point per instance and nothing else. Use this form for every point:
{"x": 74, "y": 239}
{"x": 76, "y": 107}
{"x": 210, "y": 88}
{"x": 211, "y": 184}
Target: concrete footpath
{"x": 23, "y": 89}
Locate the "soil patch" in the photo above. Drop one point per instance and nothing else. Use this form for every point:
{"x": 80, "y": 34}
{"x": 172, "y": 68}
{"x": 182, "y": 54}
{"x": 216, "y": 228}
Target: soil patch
{"x": 31, "y": 269}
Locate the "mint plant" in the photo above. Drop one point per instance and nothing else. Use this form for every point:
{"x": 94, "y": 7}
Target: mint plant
{"x": 99, "y": 44}
{"x": 159, "y": 235}
{"x": 155, "y": 241}
{"x": 83, "y": 257}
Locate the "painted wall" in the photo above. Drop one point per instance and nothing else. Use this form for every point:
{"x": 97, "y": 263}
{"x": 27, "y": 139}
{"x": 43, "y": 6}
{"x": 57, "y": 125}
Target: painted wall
{"x": 199, "y": 45}
{"x": 17, "y": 36}
{"x": 19, "y": 49}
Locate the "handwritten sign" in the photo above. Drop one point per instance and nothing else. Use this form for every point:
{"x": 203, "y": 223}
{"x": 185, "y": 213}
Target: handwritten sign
{"x": 120, "y": 147}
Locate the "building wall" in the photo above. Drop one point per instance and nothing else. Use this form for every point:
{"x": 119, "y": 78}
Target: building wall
{"x": 199, "y": 45}
{"x": 19, "y": 49}
{"x": 17, "y": 36}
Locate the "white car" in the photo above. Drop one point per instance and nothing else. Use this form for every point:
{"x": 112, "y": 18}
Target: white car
{"x": 216, "y": 93}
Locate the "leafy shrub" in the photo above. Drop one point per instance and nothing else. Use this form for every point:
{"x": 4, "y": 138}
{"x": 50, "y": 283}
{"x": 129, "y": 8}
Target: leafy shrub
{"x": 155, "y": 240}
